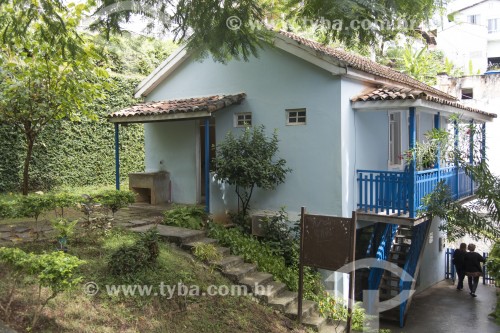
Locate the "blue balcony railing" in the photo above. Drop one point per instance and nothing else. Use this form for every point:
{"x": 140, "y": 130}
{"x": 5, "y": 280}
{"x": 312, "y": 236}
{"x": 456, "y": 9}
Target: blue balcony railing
{"x": 392, "y": 192}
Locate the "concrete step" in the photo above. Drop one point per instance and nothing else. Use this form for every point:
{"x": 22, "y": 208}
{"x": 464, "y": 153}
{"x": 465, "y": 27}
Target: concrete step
{"x": 254, "y": 279}
{"x": 292, "y": 309}
{"x": 282, "y": 300}
{"x": 314, "y": 322}
{"x": 227, "y": 262}
{"x": 272, "y": 289}
{"x": 192, "y": 245}
{"x": 237, "y": 272}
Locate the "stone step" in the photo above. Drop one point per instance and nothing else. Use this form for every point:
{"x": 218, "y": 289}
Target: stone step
{"x": 175, "y": 235}
{"x": 282, "y": 300}
{"x": 192, "y": 245}
{"x": 227, "y": 262}
{"x": 253, "y": 279}
{"x": 225, "y": 251}
{"x": 272, "y": 289}
{"x": 237, "y": 272}
{"x": 292, "y": 309}
{"x": 314, "y": 322}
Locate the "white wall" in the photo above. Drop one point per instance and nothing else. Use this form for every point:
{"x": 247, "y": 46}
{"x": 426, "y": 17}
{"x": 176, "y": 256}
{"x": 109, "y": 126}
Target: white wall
{"x": 432, "y": 264}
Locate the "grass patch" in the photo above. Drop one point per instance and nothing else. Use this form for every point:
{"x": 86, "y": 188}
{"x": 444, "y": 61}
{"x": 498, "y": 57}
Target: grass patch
{"x": 74, "y": 311}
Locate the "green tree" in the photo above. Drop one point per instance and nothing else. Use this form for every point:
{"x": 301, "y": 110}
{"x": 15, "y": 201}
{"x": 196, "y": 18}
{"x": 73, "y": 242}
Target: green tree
{"x": 480, "y": 217}
{"x": 238, "y": 28}
{"x": 421, "y": 64}
{"x": 249, "y": 161}
{"x": 46, "y": 77}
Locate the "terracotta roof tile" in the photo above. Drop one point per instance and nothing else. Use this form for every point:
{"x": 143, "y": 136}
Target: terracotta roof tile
{"x": 209, "y": 104}
{"x": 366, "y": 65}
{"x": 397, "y": 93}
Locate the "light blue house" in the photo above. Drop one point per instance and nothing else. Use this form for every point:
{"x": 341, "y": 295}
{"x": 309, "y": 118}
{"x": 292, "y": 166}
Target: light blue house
{"x": 343, "y": 122}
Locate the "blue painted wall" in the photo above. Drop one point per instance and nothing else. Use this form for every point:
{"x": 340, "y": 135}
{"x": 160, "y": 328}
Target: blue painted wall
{"x": 172, "y": 147}
{"x": 274, "y": 82}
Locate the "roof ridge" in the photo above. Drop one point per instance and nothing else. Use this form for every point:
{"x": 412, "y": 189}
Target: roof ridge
{"x": 367, "y": 65}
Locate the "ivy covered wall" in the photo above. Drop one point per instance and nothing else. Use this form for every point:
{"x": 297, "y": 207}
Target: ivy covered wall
{"x": 76, "y": 154}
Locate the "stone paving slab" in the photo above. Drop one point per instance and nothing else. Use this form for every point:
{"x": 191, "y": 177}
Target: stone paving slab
{"x": 173, "y": 234}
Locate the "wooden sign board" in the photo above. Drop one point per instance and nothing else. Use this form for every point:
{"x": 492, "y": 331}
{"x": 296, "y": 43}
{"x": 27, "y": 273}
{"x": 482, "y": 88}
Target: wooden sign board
{"x": 327, "y": 241}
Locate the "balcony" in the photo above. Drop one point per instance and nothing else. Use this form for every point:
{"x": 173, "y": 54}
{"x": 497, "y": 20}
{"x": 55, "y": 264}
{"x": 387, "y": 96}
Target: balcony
{"x": 401, "y": 192}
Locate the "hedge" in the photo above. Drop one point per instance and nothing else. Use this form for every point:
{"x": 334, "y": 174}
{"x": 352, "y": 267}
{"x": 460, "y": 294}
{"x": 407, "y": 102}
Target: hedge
{"x": 76, "y": 154}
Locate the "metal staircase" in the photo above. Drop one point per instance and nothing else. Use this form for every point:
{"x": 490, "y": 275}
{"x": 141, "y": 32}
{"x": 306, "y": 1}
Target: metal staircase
{"x": 406, "y": 252}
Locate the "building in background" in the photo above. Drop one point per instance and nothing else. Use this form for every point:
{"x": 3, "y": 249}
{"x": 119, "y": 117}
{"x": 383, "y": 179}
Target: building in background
{"x": 470, "y": 35}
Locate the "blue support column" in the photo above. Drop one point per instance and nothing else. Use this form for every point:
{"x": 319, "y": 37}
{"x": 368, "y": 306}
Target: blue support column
{"x": 457, "y": 166}
{"x": 207, "y": 165}
{"x": 117, "y": 156}
{"x": 412, "y": 172}
{"x": 471, "y": 153}
{"x": 483, "y": 143}
{"x": 437, "y": 125}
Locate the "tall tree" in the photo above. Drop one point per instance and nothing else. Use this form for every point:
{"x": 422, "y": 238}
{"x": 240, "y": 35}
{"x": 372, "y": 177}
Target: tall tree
{"x": 47, "y": 72}
{"x": 235, "y": 28}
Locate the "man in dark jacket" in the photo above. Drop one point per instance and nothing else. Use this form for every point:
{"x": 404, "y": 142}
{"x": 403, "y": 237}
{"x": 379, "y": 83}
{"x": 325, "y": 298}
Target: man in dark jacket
{"x": 459, "y": 262}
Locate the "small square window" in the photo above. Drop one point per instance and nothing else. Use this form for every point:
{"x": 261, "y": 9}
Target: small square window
{"x": 243, "y": 119}
{"x": 296, "y": 116}
{"x": 467, "y": 93}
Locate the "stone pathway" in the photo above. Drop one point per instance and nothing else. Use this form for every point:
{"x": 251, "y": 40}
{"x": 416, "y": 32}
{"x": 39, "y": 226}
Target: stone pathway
{"x": 134, "y": 215}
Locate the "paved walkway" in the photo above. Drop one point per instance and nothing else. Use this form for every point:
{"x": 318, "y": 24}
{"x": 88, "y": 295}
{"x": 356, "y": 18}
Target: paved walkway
{"x": 135, "y": 214}
{"x": 443, "y": 309}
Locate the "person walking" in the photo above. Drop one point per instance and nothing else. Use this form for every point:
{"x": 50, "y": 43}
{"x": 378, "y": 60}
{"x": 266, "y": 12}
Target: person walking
{"x": 459, "y": 262}
{"x": 473, "y": 270}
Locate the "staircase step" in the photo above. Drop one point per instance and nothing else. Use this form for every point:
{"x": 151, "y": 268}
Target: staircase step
{"x": 227, "y": 262}
{"x": 314, "y": 322}
{"x": 225, "y": 251}
{"x": 389, "y": 287}
{"x": 272, "y": 289}
{"x": 390, "y": 315}
{"x": 282, "y": 300}
{"x": 292, "y": 310}
{"x": 399, "y": 252}
{"x": 192, "y": 245}
{"x": 236, "y": 273}
{"x": 254, "y": 279}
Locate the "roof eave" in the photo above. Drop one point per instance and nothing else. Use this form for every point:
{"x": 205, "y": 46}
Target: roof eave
{"x": 160, "y": 117}
{"x": 422, "y": 105}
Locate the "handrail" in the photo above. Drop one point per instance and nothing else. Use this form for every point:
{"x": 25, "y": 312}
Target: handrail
{"x": 395, "y": 192}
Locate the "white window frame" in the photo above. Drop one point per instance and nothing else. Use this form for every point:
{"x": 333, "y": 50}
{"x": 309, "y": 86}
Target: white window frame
{"x": 289, "y": 116}
{"x": 393, "y": 152}
{"x": 493, "y": 25}
{"x": 237, "y": 119}
{"x": 473, "y": 19}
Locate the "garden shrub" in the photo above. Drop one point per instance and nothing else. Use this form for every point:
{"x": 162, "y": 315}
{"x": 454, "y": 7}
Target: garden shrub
{"x": 55, "y": 271}
{"x": 282, "y": 236}
{"x": 115, "y": 200}
{"x": 207, "y": 252}
{"x": 130, "y": 259}
{"x": 191, "y": 217}
{"x": 267, "y": 259}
